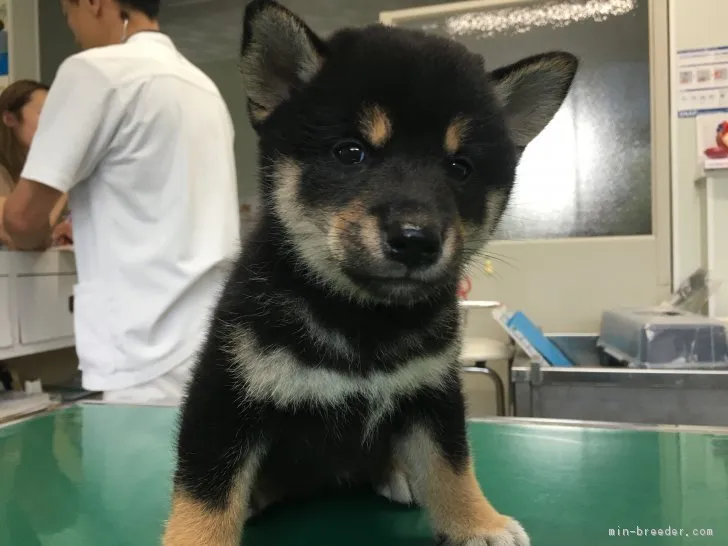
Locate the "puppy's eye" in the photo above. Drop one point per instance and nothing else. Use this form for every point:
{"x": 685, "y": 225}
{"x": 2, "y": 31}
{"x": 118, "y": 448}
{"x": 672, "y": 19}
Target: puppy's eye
{"x": 459, "y": 169}
{"x": 350, "y": 153}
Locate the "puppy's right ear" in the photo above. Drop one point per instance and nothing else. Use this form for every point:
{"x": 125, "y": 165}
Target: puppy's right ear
{"x": 279, "y": 54}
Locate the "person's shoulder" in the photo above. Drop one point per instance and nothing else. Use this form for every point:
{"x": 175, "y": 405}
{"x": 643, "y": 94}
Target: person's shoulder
{"x": 81, "y": 63}
{"x": 107, "y": 67}
{"x": 111, "y": 58}
{"x": 196, "y": 75}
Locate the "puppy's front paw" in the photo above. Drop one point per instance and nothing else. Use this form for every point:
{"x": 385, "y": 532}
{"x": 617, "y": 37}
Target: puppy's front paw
{"x": 512, "y": 534}
{"x": 397, "y": 489}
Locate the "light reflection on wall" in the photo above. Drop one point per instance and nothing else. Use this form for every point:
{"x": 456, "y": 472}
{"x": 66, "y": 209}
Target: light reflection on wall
{"x": 524, "y": 18}
{"x": 546, "y": 188}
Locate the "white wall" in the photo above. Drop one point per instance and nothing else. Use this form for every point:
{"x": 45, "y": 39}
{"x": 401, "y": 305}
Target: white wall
{"x": 23, "y": 39}
{"x": 694, "y": 24}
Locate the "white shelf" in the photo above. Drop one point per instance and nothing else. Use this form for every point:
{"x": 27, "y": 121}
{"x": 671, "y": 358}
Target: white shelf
{"x": 35, "y": 312}
{"x": 715, "y": 198}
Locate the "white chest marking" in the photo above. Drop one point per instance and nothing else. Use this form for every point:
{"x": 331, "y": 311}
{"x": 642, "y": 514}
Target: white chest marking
{"x": 274, "y": 375}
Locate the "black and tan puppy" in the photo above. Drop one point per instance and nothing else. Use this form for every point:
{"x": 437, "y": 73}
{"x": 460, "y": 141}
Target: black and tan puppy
{"x": 387, "y": 157}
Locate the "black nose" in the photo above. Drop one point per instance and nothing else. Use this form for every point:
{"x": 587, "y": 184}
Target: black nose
{"x": 415, "y": 247}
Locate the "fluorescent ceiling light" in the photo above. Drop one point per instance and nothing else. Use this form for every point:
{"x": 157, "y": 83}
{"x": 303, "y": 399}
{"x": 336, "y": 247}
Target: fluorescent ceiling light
{"x": 524, "y": 18}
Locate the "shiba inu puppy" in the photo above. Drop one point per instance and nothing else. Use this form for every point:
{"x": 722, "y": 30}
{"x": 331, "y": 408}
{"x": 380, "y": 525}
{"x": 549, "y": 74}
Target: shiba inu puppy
{"x": 387, "y": 157}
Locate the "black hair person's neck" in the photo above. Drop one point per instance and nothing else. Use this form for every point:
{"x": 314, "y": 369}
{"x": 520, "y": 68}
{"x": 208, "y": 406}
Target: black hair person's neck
{"x": 138, "y": 22}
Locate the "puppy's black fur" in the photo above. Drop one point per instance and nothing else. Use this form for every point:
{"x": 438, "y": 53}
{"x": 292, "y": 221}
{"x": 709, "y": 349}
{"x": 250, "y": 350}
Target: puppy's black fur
{"x": 387, "y": 158}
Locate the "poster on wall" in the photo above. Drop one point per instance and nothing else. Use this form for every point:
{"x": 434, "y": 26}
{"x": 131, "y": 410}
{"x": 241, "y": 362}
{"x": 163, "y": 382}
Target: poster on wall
{"x": 712, "y": 139}
{"x": 702, "y": 81}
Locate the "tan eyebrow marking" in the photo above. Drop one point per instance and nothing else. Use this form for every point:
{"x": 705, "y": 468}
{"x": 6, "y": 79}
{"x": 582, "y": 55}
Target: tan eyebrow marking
{"x": 375, "y": 125}
{"x": 455, "y": 134}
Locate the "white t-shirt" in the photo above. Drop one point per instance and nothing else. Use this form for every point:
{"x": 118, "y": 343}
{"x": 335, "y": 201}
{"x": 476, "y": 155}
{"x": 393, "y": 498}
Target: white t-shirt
{"x": 143, "y": 142}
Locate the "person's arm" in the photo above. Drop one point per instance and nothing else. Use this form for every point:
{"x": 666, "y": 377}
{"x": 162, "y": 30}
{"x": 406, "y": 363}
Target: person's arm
{"x": 5, "y": 239}
{"x": 28, "y": 222}
{"x": 6, "y": 185}
{"x": 55, "y": 215}
{"x": 6, "y": 188}
{"x": 72, "y": 137}
{"x": 58, "y": 210}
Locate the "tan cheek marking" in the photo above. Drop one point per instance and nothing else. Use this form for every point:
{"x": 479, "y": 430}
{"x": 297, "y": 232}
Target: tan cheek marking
{"x": 370, "y": 236}
{"x": 340, "y": 222}
{"x": 288, "y": 178}
{"x": 193, "y": 524}
{"x": 376, "y": 126}
{"x": 455, "y": 134}
{"x": 334, "y": 238}
{"x": 451, "y": 238}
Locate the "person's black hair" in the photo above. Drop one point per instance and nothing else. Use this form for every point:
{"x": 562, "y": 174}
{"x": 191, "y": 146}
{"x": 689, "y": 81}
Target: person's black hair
{"x": 150, "y": 8}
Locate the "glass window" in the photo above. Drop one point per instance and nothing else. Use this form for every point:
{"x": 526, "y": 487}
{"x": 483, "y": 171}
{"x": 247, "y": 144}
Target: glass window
{"x": 589, "y": 172}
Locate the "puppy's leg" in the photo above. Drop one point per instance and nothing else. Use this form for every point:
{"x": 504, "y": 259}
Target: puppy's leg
{"x": 214, "y": 519}
{"x": 396, "y": 488}
{"x": 437, "y": 462}
{"x": 262, "y": 497}
{"x": 217, "y": 465}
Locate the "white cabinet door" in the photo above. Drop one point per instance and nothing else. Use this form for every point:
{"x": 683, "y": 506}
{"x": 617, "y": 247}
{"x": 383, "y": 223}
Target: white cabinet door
{"x": 6, "y": 323}
{"x": 44, "y": 309}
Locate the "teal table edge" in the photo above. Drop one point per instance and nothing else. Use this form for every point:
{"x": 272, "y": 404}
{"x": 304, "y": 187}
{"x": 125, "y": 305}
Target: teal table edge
{"x": 97, "y": 474}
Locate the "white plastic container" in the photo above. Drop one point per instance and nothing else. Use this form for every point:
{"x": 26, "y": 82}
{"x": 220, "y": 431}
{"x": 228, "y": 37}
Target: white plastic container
{"x": 663, "y": 338}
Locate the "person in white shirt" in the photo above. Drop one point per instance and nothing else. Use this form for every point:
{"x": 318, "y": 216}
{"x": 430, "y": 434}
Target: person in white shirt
{"x": 142, "y": 141}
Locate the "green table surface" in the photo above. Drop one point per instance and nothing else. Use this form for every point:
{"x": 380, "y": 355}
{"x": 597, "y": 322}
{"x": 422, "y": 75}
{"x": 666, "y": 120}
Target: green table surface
{"x": 100, "y": 475}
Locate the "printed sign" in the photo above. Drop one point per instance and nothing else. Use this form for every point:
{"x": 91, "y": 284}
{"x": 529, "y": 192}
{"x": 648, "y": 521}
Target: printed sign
{"x": 702, "y": 81}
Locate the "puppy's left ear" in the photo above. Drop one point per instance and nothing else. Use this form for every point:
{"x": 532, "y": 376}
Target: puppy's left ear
{"x": 279, "y": 54}
{"x": 532, "y": 90}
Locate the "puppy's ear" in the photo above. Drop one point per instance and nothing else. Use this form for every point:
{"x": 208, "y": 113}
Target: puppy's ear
{"x": 532, "y": 90}
{"x": 278, "y": 55}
